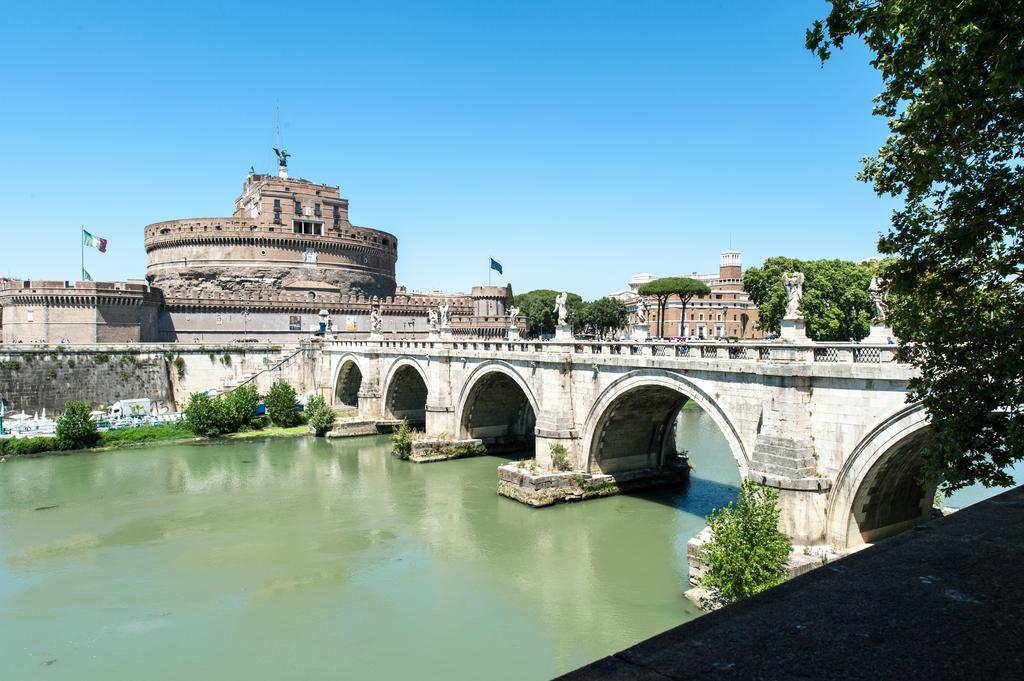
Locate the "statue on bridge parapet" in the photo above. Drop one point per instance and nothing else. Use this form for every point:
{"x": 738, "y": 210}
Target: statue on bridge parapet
{"x": 794, "y": 326}
{"x": 562, "y": 308}
{"x": 641, "y": 311}
{"x": 880, "y": 331}
{"x": 432, "y": 318}
{"x": 513, "y": 314}
{"x": 794, "y": 283}
{"x": 879, "y": 298}
{"x": 443, "y": 316}
{"x": 376, "y": 321}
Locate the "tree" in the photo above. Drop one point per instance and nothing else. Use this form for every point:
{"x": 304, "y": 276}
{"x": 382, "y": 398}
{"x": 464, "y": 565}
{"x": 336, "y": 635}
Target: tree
{"x": 953, "y": 83}
{"x": 321, "y": 415}
{"x": 241, "y": 404}
{"x": 282, "y": 408}
{"x": 75, "y": 430}
{"x": 747, "y": 554}
{"x": 836, "y": 303}
{"x": 538, "y": 307}
{"x": 207, "y": 416}
{"x": 509, "y": 297}
{"x": 662, "y": 289}
{"x": 603, "y": 315}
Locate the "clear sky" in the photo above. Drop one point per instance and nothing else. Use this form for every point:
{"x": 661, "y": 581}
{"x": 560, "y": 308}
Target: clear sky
{"x": 578, "y": 143}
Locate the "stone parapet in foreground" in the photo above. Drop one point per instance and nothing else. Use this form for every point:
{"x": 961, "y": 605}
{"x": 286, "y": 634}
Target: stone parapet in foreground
{"x": 941, "y": 601}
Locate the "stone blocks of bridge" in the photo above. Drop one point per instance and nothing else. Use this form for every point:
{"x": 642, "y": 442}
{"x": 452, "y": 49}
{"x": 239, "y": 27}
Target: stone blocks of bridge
{"x": 536, "y": 487}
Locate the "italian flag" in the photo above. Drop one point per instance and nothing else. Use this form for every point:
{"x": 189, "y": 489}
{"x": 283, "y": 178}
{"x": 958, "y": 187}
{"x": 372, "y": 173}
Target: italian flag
{"x": 94, "y": 241}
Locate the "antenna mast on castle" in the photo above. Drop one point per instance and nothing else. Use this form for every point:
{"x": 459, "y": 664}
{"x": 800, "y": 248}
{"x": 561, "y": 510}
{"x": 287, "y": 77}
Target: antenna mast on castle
{"x": 282, "y": 155}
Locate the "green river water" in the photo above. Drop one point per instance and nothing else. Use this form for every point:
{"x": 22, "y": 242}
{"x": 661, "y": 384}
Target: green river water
{"x": 311, "y": 559}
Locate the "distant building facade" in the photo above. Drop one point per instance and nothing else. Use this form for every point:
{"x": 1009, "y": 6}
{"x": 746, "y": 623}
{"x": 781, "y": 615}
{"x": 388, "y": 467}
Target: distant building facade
{"x": 726, "y": 312}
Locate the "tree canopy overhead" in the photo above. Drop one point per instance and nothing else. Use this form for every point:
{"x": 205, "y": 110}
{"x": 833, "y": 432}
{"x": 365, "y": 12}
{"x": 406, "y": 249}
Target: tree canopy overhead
{"x": 664, "y": 288}
{"x": 953, "y": 96}
{"x": 603, "y": 315}
{"x": 539, "y": 308}
{"x": 836, "y": 303}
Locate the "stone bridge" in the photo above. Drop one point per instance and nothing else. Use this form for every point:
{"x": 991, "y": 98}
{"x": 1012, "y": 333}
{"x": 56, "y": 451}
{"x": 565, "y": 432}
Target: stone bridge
{"x": 828, "y": 425}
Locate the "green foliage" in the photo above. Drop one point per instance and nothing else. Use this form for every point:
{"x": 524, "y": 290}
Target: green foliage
{"x": 952, "y": 81}
{"x": 71, "y": 364}
{"x": 21, "y": 446}
{"x": 75, "y": 430}
{"x": 131, "y": 436}
{"x": 179, "y": 366}
{"x": 213, "y": 357}
{"x": 102, "y": 358}
{"x": 401, "y": 440}
{"x": 836, "y": 301}
{"x": 241, "y": 404}
{"x": 747, "y": 553}
{"x": 320, "y": 415}
{"x": 28, "y": 357}
{"x": 282, "y": 407}
{"x": 51, "y": 374}
{"x": 662, "y": 289}
{"x": 225, "y": 359}
{"x": 207, "y": 416}
{"x": 560, "y": 458}
{"x": 11, "y": 364}
{"x": 539, "y": 308}
{"x": 603, "y": 315}
{"x": 509, "y": 297}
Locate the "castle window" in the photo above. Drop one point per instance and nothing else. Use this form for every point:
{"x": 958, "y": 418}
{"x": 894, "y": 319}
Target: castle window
{"x": 277, "y": 204}
{"x": 304, "y": 227}
{"x": 277, "y": 217}
{"x": 298, "y": 208}
{"x": 337, "y": 223}
{"x": 337, "y": 211}
{"x": 316, "y": 209}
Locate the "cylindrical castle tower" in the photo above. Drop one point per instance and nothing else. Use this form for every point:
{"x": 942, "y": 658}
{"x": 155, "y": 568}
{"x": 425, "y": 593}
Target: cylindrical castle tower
{"x": 285, "y": 233}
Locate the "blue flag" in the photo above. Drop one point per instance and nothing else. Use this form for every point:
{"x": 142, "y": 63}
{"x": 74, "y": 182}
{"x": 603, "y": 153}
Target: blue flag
{"x": 496, "y": 266}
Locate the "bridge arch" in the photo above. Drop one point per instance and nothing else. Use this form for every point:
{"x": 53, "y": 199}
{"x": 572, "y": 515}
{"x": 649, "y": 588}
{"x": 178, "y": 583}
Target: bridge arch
{"x": 348, "y": 379}
{"x": 497, "y": 406}
{"x": 405, "y": 392}
{"x": 879, "y": 490}
{"x": 639, "y": 409}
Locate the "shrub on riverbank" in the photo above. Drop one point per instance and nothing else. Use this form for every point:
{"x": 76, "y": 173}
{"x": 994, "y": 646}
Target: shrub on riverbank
{"x": 282, "y": 408}
{"x": 208, "y": 416}
{"x": 75, "y": 430}
{"x": 21, "y": 446}
{"x": 242, "y": 403}
{"x": 130, "y": 436}
{"x": 321, "y": 416}
{"x": 747, "y": 553}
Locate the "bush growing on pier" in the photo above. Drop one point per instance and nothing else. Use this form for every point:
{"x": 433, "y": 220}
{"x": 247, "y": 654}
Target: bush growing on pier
{"x": 401, "y": 441}
{"x": 179, "y": 366}
{"x": 75, "y": 430}
{"x": 281, "y": 405}
{"x": 321, "y": 416}
{"x": 560, "y": 458}
{"x": 747, "y": 553}
{"x": 102, "y": 357}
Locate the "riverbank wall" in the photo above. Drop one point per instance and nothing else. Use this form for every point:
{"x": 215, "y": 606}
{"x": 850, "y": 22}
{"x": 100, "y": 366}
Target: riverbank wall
{"x": 36, "y": 377}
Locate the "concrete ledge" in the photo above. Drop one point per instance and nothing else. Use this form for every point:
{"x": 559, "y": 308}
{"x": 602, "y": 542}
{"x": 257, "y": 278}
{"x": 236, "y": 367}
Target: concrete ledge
{"x": 540, "y": 488}
{"x": 430, "y": 451}
{"x": 358, "y": 427}
{"x": 940, "y": 601}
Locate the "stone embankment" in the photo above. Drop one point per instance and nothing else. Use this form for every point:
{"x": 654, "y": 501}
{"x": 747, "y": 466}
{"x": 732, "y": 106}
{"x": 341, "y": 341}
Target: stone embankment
{"x": 36, "y": 377}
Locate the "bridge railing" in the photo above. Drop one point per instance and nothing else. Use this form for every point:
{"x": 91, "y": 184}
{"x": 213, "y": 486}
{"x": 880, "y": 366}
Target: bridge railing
{"x": 749, "y": 351}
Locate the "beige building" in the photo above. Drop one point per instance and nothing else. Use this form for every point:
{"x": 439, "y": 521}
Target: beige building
{"x": 284, "y": 234}
{"x": 726, "y": 312}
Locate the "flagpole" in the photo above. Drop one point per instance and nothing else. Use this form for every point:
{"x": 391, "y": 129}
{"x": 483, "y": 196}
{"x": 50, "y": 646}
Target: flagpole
{"x": 81, "y": 244}
{"x": 489, "y": 271}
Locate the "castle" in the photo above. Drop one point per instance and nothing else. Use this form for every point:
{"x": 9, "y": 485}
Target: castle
{"x": 285, "y": 261}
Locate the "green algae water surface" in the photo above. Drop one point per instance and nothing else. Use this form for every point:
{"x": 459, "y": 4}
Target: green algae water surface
{"x": 312, "y": 559}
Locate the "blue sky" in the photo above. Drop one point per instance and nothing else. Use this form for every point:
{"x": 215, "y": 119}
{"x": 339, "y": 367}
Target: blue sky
{"x": 578, "y": 143}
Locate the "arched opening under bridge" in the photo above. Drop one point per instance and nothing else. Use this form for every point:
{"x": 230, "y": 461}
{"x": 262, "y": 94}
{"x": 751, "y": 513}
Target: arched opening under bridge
{"x": 884, "y": 490}
{"x": 346, "y": 390}
{"x": 406, "y": 396}
{"x": 498, "y": 411}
